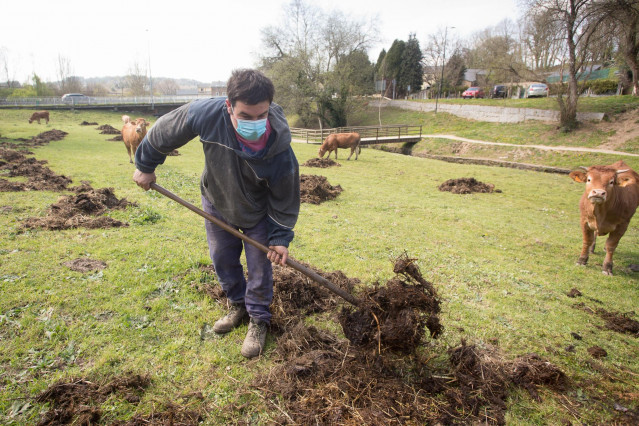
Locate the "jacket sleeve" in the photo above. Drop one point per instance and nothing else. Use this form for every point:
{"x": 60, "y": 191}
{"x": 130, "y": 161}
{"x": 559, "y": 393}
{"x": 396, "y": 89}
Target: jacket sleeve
{"x": 284, "y": 203}
{"x": 170, "y": 132}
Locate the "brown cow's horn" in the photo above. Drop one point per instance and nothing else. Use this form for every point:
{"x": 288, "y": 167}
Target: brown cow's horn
{"x": 585, "y": 168}
{"x": 621, "y": 171}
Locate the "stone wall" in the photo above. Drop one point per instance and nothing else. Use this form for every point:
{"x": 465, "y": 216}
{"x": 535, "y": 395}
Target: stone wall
{"x": 488, "y": 113}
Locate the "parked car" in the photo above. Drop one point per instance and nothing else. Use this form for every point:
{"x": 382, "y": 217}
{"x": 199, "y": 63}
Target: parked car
{"x": 75, "y": 98}
{"x": 499, "y": 92}
{"x": 473, "y": 92}
{"x": 537, "y": 89}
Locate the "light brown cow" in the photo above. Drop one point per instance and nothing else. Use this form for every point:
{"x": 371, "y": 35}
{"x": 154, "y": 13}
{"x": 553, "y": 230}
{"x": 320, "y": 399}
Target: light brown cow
{"x": 38, "y": 115}
{"x": 340, "y": 140}
{"x": 607, "y": 205}
{"x": 132, "y": 134}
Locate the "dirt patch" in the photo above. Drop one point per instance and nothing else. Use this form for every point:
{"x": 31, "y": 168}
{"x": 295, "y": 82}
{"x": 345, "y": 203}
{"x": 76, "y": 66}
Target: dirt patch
{"x": 316, "y": 189}
{"x": 174, "y": 153}
{"x": 116, "y": 138}
{"x": 624, "y": 127}
{"x": 41, "y": 139}
{"x": 77, "y": 401}
{"x": 597, "y": 352}
{"x": 85, "y": 265}
{"x": 321, "y": 162}
{"x": 615, "y": 321}
{"x": 396, "y": 315}
{"x": 531, "y": 371}
{"x": 467, "y": 186}
{"x": 574, "y": 292}
{"x": 86, "y": 123}
{"x": 107, "y": 129}
{"x": 82, "y": 210}
{"x": 39, "y": 176}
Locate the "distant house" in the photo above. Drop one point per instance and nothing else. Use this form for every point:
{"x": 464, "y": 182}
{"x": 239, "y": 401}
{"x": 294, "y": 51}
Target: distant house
{"x": 473, "y": 75}
{"x": 10, "y": 84}
{"x": 217, "y": 88}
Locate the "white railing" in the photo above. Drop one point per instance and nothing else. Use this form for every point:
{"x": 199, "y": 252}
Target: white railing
{"x": 103, "y": 100}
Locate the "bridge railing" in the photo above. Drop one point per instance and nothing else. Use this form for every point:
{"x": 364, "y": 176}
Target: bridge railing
{"x": 376, "y": 133}
{"x": 97, "y": 100}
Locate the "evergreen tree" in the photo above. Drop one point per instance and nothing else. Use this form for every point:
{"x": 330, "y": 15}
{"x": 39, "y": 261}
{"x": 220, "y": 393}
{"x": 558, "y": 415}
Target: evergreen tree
{"x": 410, "y": 72}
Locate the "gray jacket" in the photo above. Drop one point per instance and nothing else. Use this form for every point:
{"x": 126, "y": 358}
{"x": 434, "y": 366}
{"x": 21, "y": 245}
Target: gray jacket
{"x": 243, "y": 186}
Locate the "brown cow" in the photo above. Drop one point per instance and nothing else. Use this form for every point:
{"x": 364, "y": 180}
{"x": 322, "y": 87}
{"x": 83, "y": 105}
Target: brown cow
{"x": 340, "y": 140}
{"x": 38, "y": 115}
{"x": 607, "y": 205}
{"x": 132, "y": 134}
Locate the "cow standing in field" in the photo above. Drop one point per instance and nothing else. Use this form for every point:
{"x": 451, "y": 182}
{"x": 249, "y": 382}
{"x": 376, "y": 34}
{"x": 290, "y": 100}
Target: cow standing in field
{"x": 132, "y": 134}
{"x": 39, "y": 115}
{"x": 340, "y": 140}
{"x": 607, "y": 205}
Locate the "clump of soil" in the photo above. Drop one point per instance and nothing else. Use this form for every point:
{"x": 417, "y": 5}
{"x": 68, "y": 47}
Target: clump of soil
{"x": 174, "y": 153}
{"x": 173, "y": 414}
{"x": 85, "y": 265}
{"x": 107, "y": 129}
{"x": 396, "y": 314}
{"x": 321, "y": 162}
{"x": 467, "y": 186}
{"x": 597, "y": 352}
{"x": 116, "y": 138}
{"x": 39, "y": 140}
{"x": 315, "y": 189}
{"x": 531, "y": 371}
{"x": 574, "y": 292}
{"x": 615, "y": 321}
{"x": 77, "y": 400}
{"x": 296, "y": 295}
{"x": 621, "y": 323}
{"x": 82, "y": 210}
{"x": 39, "y": 177}
{"x": 86, "y": 123}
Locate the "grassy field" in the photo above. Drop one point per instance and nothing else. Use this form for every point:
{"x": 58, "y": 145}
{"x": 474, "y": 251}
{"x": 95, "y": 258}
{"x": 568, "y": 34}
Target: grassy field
{"x": 502, "y": 262}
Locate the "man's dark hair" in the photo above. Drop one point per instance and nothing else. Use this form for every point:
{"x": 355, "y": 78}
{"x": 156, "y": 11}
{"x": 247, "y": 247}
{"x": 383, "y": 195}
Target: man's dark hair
{"x": 249, "y": 86}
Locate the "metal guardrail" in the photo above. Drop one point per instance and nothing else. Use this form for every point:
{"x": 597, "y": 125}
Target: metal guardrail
{"x": 376, "y": 133}
{"x": 97, "y": 101}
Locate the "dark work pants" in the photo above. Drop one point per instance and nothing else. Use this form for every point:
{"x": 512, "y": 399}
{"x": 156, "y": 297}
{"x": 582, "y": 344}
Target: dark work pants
{"x": 225, "y": 249}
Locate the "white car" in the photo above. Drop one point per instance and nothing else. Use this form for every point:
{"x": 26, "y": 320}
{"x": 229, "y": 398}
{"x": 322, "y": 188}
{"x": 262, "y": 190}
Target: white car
{"x": 537, "y": 89}
{"x": 75, "y": 98}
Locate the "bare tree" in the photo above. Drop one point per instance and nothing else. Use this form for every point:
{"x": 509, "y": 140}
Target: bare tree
{"x": 433, "y": 55}
{"x": 578, "y": 22}
{"x": 623, "y": 15}
{"x": 167, "y": 86}
{"x": 137, "y": 80}
{"x": 543, "y": 41}
{"x": 4, "y": 64}
{"x": 64, "y": 72}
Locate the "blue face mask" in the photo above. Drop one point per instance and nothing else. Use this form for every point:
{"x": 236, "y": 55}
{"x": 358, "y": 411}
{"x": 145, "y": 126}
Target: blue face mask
{"x": 250, "y": 130}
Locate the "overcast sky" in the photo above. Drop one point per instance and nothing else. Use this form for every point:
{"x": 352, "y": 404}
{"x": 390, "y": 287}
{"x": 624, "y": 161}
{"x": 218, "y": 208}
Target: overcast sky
{"x": 202, "y": 40}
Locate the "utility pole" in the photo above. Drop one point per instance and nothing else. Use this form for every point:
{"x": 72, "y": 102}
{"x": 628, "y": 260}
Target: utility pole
{"x": 148, "y": 39}
{"x": 441, "y": 80}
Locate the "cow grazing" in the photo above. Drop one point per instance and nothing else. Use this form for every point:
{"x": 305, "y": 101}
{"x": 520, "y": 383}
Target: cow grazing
{"x": 132, "y": 134}
{"x": 607, "y": 205}
{"x": 340, "y": 140}
{"x": 39, "y": 115}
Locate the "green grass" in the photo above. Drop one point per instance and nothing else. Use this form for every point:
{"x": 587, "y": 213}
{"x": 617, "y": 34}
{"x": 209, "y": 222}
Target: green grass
{"x": 502, "y": 263}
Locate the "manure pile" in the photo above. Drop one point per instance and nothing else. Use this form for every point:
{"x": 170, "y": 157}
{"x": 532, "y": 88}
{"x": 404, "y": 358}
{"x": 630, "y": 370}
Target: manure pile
{"x": 321, "y": 163}
{"x": 316, "y": 189}
{"x": 467, "y": 186}
{"x": 376, "y": 375}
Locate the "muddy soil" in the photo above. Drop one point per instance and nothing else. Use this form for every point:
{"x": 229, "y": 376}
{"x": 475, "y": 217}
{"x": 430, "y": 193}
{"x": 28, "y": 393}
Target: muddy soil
{"x": 116, "y": 138}
{"x": 77, "y": 401}
{"x": 615, "y": 321}
{"x": 316, "y": 189}
{"x": 85, "y": 265}
{"x": 467, "y": 186}
{"x": 321, "y": 163}
{"x": 107, "y": 129}
{"x": 597, "y": 352}
{"x": 82, "y": 210}
{"x": 40, "y": 177}
{"x": 41, "y": 139}
{"x": 86, "y": 123}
